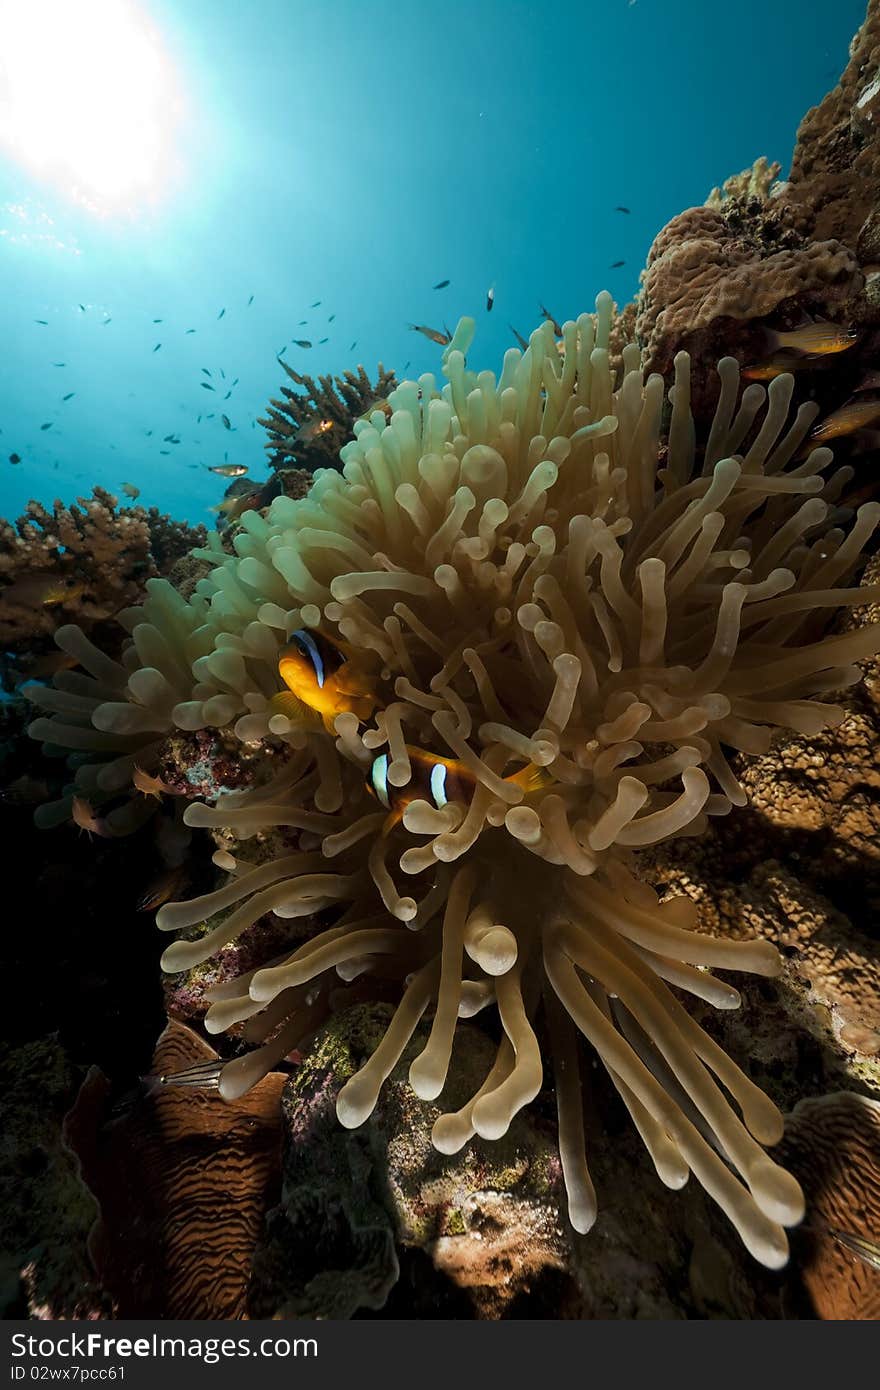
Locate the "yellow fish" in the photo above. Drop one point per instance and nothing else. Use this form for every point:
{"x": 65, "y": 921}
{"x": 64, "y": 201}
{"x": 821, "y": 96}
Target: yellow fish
{"x": 321, "y": 676}
{"x": 438, "y": 781}
{"x": 61, "y": 593}
{"x": 816, "y": 339}
{"x": 855, "y": 415}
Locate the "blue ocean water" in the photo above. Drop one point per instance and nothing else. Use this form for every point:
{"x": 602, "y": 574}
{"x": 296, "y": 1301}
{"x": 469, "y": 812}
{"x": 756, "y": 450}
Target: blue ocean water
{"x": 344, "y": 153}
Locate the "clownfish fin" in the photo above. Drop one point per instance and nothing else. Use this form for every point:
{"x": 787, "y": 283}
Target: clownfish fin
{"x": 530, "y": 778}
{"x": 294, "y": 709}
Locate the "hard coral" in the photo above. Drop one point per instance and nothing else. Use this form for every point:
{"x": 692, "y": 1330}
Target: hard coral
{"x": 307, "y": 428}
{"x": 537, "y": 570}
{"x": 83, "y": 563}
{"x": 710, "y": 269}
{"x": 835, "y": 173}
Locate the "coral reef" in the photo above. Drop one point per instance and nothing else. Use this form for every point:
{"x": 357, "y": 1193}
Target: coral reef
{"x": 84, "y": 563}
{"x": 163, "y": 1164}
{"x": 308, "y": 427}
{"x": 442, "y": 562}
{"x": 712, "y": 272}
{"x": 833, "y": 1143}
{"x": 523, "y": 586}
{"x": 761, "y": 249}
{"x": 487, "y": 1223}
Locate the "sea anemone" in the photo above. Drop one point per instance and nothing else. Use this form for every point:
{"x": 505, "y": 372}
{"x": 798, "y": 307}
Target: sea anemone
{"x": 545, "y": 570}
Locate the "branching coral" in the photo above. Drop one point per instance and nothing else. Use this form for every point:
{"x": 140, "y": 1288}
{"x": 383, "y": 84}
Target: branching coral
{"x": 307, "y": 428}
{"x": 543, "y": 570}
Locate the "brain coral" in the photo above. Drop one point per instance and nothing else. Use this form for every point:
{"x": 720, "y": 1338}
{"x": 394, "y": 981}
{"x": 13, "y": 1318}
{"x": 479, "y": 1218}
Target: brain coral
{"x": 546, "y": 570}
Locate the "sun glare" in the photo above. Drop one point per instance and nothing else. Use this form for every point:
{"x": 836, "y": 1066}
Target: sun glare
{"x": 89, "y": 100}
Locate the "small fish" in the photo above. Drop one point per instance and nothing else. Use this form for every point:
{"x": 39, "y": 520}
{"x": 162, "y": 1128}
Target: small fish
{"x": 221, "y": 313}
{"x": 168, "y": 439}
{"x": 321, "y": 676}
{"x": 130, "y": 490}
{"x": 47, "y": 426}
{"x": 440, "y": 285}
{"x": 855, "y": 415}
{"x": 280, "y": 351}
{"x": 83, "y": 816}
{"x": 226, "y": 423}
{"x": 384, "y": 405}
{"x": 353, "y": 346}
{"x": 106, "y": 321}
{"x": 490, "y": 298}
{"x": 621, "y": 209}
{"x": 233, "y": 507}
{"x": 157, "y": 347}
{"x": 405, "y": 365}
{"x": 25, "y": 790}
{"x": 222, "y": 373}
{"x": 227, "y": 470}
{"x": 59, "y": 364}
{"x": 158, "y": 320}
{"x": 301, "y": 342}
{"x": 250, "y": 302}
{"x": 44, "y": 322}
{"x": 433, "y": 333}
{"x": 189, "y": 330}
{"x": 775, "y": 366}
{"x": 69, "y": 397}
{"x": 301, "y": 322}
{"x": 148, "y": 433}
{"x": 315, "y": 305}
{"x": 168, "y": 884}
{"x": 15, "y": 458}
{"x": 437, "y": 781}
{"x": 41, "y": 588}
{"x": 148, "y": 785}
{"x": 519, "y": 337}
{"x": 83, "y": 307}
{"x": 206, "y": 386}
{"x": 323, "y": 340}
{"x": 864, "y": 1247}
{"x": 204, "y": 1076}
{"x": 313, "y": 429}
{"x": 165, "y": 451}
{"x": 228, "y": 394}
{"x": 205, "y": 371}
{"x": 615, "y": 265}
{"x": 547, "y": 315}
{"x": 331, "y": 318}
{"x": 815, "y": 339}
{"x": 235, "y": 382}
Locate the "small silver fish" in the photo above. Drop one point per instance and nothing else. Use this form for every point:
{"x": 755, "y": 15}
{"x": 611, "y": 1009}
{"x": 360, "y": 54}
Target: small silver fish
{"x": 203, "y": 1076}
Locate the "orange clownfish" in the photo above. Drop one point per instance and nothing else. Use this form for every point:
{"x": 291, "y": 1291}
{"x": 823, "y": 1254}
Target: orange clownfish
{"x": 322, "y": 676}
{"x": 438, "y": 781}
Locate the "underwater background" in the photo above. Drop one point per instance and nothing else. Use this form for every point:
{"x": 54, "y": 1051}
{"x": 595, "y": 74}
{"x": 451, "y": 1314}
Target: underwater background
{"x": 164, "y": 161}
{"x": 205, "y": 205}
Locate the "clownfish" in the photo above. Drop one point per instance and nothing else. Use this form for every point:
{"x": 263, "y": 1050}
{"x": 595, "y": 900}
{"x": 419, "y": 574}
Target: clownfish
{"x": 438, "y": 781}
{"x": 321, "y": 676}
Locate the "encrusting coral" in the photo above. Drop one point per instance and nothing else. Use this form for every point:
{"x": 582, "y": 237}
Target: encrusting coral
{"x": 307, "y": 427}
{"x": 546, "y": 570}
